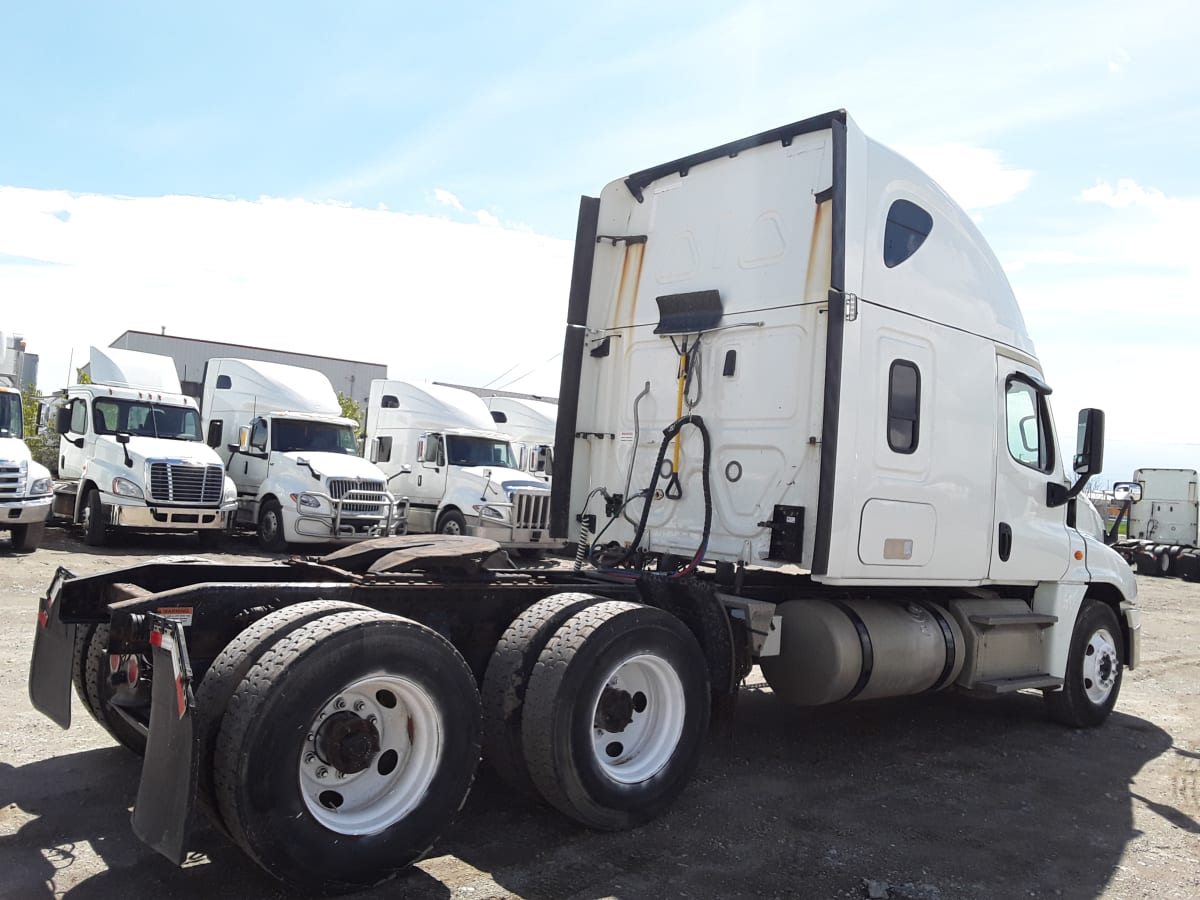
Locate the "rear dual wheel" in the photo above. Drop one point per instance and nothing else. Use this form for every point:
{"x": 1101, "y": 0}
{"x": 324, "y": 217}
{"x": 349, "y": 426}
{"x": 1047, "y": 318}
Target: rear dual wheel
{"x": 346, "y": 750}
{"x": 93, "y": 671}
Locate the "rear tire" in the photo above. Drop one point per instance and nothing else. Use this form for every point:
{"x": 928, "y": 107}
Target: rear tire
{"x": 27, "y": 538}
{"x": 1094, "y": 669}
{"x": 615, "y": 714}
{"x": 227, "y": 672}
{"x": 303, "y": 710}
{"x": 93, "y": 684}
{"x": 507, "y": 679}
{"x": 270, "y": 527}
{"x": 95, "y": 530}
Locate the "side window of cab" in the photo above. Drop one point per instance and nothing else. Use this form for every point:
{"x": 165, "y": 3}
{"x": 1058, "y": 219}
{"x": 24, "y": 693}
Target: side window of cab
{"x": 1028, "y": 425}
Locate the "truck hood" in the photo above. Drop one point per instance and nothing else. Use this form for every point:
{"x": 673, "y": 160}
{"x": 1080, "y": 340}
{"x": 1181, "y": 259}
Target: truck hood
{"x": 508, "y": 479}
{"x": 335, "y": 465}
{"x": 144, "y": 448}
{"x": 14, "y": 450}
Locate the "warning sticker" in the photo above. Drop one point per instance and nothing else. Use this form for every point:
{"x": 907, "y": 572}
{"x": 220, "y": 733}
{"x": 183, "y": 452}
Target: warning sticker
{"x": 180, "y": 614}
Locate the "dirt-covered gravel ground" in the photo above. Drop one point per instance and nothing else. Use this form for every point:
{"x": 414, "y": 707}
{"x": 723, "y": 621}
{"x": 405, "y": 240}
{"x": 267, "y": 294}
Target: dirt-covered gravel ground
{"x": 933, "y": 797}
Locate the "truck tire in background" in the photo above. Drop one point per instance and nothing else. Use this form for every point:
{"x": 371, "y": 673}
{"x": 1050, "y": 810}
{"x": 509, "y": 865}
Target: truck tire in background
{"x": 27, "y": 538}
{"x": 95, "y": 531}
{"x": 615, "y": 714}
{"x": 347, "y": 749}
{"x": 507, "y": 679}
{"x": 92, "y": 675}
{"x": 227, "y": 672}
{"x": 270, "y": 526}
{"x": 452, "y": 522}
{"x": 1094, "y": 668}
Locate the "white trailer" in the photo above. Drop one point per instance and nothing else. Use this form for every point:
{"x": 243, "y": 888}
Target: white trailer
{"x": 1162, "y": 536}
{"x": 801, "y": 426}
{"x": 530, "y": 425}
{"x": 131, "y": 455}
{"x": 440, "y": 448}
{"x": 25, "y": 484}
{"x": 293, "y": 456}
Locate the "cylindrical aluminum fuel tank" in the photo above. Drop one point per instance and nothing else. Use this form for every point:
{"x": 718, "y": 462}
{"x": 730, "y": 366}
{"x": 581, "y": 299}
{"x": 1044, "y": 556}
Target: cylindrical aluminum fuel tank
{"x": 832, "y": 650}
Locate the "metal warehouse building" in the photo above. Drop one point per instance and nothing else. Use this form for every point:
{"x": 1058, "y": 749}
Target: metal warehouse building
{"x": 349, "y": 377}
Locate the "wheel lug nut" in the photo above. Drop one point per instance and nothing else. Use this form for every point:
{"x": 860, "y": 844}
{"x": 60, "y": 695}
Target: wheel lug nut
{"x": 310, "y": 757}
{"x": 339, "y": 703}
{"x": 371, "y": 719}
{"x": 341, "y": 774}
{"x": 322, "y": 772}
{"x": 312, "y": 736}
{"x": 359, "y": 705}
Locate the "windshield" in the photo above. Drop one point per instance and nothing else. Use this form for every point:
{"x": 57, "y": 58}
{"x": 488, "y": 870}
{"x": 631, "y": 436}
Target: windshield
{"x": 478, "y": 451}
{"x": 10, "y": 415}
{"x": 145, "y": 418}
{"x": 328, "y": 437}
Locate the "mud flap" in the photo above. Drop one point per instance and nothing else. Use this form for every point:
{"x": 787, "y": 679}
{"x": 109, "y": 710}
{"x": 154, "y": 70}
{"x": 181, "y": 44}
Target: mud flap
{"x": 53, "y": 657}
{"x": 167, "y": 790}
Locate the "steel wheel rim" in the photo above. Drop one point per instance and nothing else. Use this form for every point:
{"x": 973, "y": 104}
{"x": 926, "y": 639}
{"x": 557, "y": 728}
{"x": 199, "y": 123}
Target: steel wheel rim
{"x": 411, "y": 734}
{"x": 642, "y": 740}
{"x": 1101, "y": 666}
{"x": 450, "y": 526}
{"x": 270, "y": 525}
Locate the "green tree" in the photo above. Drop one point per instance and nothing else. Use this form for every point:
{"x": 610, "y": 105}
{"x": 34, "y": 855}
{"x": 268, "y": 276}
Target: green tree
{"x": 350, "y": 409}
{"x": 42, "y": 444}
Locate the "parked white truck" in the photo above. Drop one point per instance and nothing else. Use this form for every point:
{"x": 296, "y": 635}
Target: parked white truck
{"x": 801, "y": 426}
{"x": 440, "y": 448}
{"x": 530, "y": 425}
{"x": 131, "y": 455}
{"x": 293, "y": 456}
{"x": 25, "y": 484}
{"x": 1163, "y": 512}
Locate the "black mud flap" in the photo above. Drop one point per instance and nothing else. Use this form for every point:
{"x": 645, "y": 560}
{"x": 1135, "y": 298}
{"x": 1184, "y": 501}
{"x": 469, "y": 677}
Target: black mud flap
{"x": 53, "y": 657}
{"x": 168, "y": 787}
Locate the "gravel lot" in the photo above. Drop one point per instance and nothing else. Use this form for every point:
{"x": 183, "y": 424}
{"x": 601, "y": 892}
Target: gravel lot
{"x": 932, "y": 798}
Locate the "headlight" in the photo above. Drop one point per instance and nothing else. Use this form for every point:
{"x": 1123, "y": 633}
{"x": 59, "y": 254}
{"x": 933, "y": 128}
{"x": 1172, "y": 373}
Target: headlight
{"x": 490, "y": 512}
{"x": 125, "y": 488}
{"x": 229, "y": 492}
{"x": 41, "y": 486}
{"x": 307, "y": 501}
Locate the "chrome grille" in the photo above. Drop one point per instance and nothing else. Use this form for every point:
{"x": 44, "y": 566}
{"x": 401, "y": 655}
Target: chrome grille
{"x": 183, "y": 483}
{"x": 531, "y": 510}
{"x": 13, "y": 476}
{"x": 360, "y": 497}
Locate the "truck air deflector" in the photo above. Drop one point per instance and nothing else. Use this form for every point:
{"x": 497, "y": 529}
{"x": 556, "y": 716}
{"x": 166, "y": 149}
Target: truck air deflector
{"x": 572, "y": 362}
{"x": 835, "y": 325}
{"x": 639, "y": 181}
{"x": 688, "y": 313}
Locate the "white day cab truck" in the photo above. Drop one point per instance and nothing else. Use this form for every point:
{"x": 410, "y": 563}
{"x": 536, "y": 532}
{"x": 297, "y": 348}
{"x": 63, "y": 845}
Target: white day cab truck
{"x": 25, "y": 484}
{"x": 801, "y": 426}
{"x": 131, "y": 455}
{"x": 529, "y": 423}
{"x": 1163, "y": 512}
{"x": 293, "y": 456}
{"x": 440, "y": 448}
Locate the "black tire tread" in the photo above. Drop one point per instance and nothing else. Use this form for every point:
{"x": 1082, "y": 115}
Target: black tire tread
{"x": 94, "y": 660}
{"x": 507, "y": 678}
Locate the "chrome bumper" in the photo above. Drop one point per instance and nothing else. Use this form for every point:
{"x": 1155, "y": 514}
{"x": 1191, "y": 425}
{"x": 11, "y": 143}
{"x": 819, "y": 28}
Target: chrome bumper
{"x": 25, "y": 512}
{"x": 169, "y": 518}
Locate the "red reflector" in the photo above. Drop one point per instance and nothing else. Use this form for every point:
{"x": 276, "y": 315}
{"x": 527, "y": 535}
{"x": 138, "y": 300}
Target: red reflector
{"x": 43, "y": 618}
{"x": 156, "y": 638}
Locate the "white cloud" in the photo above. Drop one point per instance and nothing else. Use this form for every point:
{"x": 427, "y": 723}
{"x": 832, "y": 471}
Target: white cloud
{"x": 1126, "y": 193}
{"x": 445, "y": 198}
{"x": 432, "y": 299}
{"x": 483, "y": 217}
{"x": 975, "y": 177}
{"x": 1118, "y": 62}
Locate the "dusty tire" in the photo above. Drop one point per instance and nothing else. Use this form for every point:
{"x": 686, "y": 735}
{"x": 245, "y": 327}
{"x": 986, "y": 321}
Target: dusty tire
{"x": 227, "y": 672}
{"x": 615, "y": 714}
{"x": 95, "y": 531}
{"x": 507, "y": 678}
{"x": 270, "y": 527}
{"x": 92, "y": 677}
{"x": 27, "y": 538}
{"x": 284, "y": 725}
{"x": 452, "y": 522}
{"x": 1094, "y": 668}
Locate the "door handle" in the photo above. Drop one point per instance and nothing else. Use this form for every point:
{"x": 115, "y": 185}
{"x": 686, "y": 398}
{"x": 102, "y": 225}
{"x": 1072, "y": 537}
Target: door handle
{"x": 418, "y": 481}
{"x": 1005, "y": 544}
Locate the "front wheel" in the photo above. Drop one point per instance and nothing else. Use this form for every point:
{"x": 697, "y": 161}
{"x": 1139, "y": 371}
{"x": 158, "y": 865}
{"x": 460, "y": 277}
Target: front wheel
{"x": 270, "y": 527}
{"x": 615, "y": 714}
{"x": 1093, "y": 677}
{"x": 347, "y": 749}
{"x": 95, "y": 530}
{"x": 452, "y": 522}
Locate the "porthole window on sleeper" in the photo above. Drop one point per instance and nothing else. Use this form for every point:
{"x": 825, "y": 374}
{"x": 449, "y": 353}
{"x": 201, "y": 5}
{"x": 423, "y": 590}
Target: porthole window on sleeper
{"x": 907, "y": 227}
{"x": 904, "y": 406}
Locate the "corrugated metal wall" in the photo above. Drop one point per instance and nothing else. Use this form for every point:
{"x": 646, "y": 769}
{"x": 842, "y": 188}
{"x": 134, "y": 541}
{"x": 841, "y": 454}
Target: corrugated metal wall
{"x": 349, "y": 377}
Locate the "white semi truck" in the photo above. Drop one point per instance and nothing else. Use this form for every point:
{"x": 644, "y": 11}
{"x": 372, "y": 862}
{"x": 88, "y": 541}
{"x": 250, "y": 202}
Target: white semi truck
{"x": 293, "y": 456}
{"x": 530, "y": 425}
{"x": 1163, "y": 511}
{"x": 440, "y": 448}
{"x": 131, "y": 454}
{"x": 801, "y": 426}
{"x": 25, "y": 484}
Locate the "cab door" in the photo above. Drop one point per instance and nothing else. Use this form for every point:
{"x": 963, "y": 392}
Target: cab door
{"x": 1030, "y": 540}
{"x": 249, "y": 468}
{"x": 74, "y": 444}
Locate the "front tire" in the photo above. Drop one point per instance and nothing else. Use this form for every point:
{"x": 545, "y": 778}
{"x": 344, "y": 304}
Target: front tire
{"x": 452, "y": 522}
{"x": 95, "y": 530}
{"x": 347, "y": 749}
{"x": 27, "y": 538}
{"x": 1094, "y": 668}
{"x": 615, "y": 714}
{"x": 270, "y": 527}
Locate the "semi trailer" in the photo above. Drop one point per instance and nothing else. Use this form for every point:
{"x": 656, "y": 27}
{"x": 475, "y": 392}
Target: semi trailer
{"x": 1163, "y": 512}
{"x": 801, "y": 426}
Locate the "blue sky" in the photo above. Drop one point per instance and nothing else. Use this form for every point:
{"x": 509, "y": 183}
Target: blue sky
{"x": 243, "y": 171}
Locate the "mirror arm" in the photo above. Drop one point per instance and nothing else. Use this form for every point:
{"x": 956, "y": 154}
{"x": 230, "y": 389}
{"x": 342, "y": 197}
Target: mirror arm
{"x": 1057, "y": 495}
